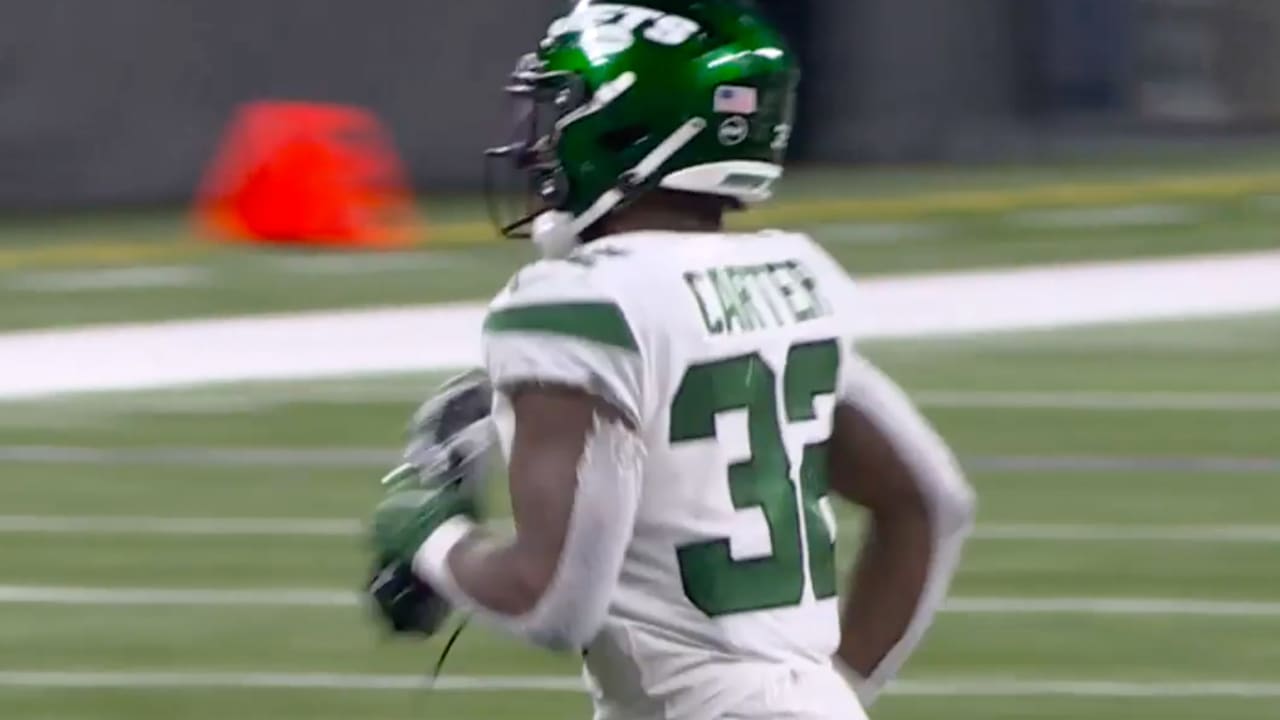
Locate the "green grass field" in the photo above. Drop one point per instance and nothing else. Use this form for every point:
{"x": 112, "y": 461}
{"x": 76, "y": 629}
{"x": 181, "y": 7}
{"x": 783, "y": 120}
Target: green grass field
{"x": 194, "y": 553}
{"x": 148, "y": 265}
{"x": 1063, "y": 477}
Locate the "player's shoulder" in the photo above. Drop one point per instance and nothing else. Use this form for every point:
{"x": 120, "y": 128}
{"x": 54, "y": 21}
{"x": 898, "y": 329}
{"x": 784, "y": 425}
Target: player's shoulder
{"x": 570, "y": 297}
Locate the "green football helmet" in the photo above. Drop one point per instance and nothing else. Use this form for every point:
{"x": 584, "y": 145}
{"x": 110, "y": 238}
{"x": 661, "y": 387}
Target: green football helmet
{"x": 621, "y": 99}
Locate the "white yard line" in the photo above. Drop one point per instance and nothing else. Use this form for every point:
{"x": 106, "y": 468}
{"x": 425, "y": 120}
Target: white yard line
{"x": 284, "y": 681}
{"x": 1120, "y": 464}
{"x": 941, "y": 687}
{"x": 100, "y": 280}
{"x": 1109, "y": 606}
{"x": 338, "y": 458}
{"x": 363, "y": 342}
{"x": 87, "y": 596}
{"x": 338, "y": 527}
{"x": 352, "y": 264}
{"x": 1092, "y": 400}
{"x": 230, "y": 527}
{"x": 1267, "y": 202}
{"x": 39, "y": 595}
{"x": 1107, "y": 217}
{"x": 866, "y": 233}
{"x": 1208, "y": 534}
{"x": 273, "y": 347}
{"x": 363, "y": 458}
{"x": 980, "y": 687}
{"x": 270, "y": 397}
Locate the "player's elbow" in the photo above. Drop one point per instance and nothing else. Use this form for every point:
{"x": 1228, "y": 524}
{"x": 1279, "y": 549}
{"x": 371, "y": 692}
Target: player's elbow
{"x": 956, "y": 508}
{"x": 570, "y": 636}
{"x": 531, "y": 580}
{"x": 951, "y": 499}
{"x": 937, "y": 491}
{"x": 565, "y": 619}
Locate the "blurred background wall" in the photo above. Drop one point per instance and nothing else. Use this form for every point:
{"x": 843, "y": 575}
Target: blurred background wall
{"x": 124, "y": 102}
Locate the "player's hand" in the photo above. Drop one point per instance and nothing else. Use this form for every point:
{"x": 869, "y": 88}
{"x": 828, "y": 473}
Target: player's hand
{"x": 451, "y": 435}
{"x": 401, "y": 523}
{"x": 410, "y": 514}
{"x": 441, "y": 477}
{"x": 405, "y": 604}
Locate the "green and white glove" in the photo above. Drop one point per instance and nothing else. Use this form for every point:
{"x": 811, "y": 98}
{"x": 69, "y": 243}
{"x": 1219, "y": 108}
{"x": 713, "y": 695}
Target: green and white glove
{"x": 409, "y": 514}
{"x": 402, "y": 522}
{"x": 451, "y": 437}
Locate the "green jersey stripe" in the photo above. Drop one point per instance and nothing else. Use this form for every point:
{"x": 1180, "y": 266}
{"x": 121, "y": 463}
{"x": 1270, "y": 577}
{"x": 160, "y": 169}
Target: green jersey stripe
{"x": 599, "y": 322}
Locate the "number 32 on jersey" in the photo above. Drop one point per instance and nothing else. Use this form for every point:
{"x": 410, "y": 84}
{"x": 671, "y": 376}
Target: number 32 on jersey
{"x": 713, "y": 581}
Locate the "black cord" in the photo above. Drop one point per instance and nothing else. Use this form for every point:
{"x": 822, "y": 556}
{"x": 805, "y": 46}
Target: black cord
{"x": 448, "y": 646}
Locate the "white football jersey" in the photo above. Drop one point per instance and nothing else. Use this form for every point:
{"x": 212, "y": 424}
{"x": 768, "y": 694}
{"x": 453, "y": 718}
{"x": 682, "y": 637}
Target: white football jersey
{"x": 724, "y": 350}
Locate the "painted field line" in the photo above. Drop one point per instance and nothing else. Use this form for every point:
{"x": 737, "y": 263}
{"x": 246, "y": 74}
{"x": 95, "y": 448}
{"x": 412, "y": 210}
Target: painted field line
{"x": 355, "y": 458}
{"x": 1261, "y": 534}
{"x": 1109, "y": 606}
{"x": 86, "y": 596}
{"x": 167, "y": 597}
{"x": 347, "y": 264}
{"x": 941, "y": 687}
{"x": 269, "y": 397}
{"x": 231, "y": 527}
{"x": 1125, "y": 216}
{"x": 1088, "y": 400}
{"x": 1119, "y": 464}
{"x": 368, "y": 342}
{"x": 285, "y": 681}
{"x": 141, "y": 278}
{"x": 365, "y": 459}
{"x": 980, "y": 687}
{"x": 867, "y": 233}
{"x": 338, "y": 527}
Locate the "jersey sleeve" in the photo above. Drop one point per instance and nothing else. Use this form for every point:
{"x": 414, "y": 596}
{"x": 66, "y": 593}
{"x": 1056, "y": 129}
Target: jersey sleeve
{"x": 555, "y": 325}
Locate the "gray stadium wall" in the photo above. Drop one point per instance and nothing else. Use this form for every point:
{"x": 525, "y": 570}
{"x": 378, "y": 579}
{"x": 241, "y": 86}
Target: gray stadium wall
{"x": 125, "y": 101}
{"x": 109, "y": 102}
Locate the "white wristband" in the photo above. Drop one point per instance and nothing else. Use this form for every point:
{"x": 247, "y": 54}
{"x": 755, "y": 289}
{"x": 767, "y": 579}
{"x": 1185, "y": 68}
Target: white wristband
{"x": 431, "y": 562}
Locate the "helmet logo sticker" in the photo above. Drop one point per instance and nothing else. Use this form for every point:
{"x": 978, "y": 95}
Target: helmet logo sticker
{"x": 734, "y": 131}
{"x": 736, "y": 100}
{"x": 610, "y": 28}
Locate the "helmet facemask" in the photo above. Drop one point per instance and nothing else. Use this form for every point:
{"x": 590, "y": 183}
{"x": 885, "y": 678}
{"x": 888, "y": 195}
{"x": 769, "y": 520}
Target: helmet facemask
{"x": 524, "y": 178}
{"x": 546, "y": 104}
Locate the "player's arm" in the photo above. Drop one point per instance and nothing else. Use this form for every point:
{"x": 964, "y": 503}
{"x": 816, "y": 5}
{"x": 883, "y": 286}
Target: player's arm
{"x": 565, "y": 366}
{"x": 574, "y": 477}
{"x": 887, "y": 459}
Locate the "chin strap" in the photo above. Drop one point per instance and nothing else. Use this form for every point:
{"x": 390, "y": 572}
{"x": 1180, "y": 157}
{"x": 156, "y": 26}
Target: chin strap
{"x": 561, "y": 235}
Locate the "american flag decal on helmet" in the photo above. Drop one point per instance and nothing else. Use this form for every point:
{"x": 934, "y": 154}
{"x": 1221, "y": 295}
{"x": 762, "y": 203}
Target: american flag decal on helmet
{"x": 736, "y": 100}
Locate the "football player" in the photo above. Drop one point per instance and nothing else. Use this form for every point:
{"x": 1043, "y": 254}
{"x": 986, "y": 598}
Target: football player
{"x": 675, "y": 403}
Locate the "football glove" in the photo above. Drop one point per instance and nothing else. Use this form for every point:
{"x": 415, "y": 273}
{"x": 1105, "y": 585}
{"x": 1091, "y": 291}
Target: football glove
{"x": 401, "y": 523}
{"x": 450, "y": 439}
{"x": 451, "y": 435}
{"x": 409, "y": 515}
{"x": 405, "y": 604}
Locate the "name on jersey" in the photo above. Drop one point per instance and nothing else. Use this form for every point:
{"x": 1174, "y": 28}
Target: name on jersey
{"x": 746, "y": 298}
